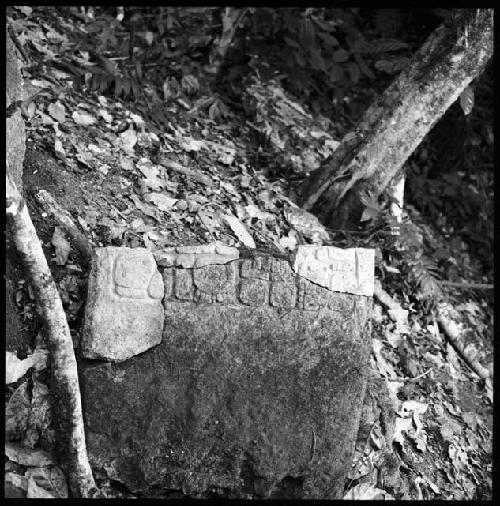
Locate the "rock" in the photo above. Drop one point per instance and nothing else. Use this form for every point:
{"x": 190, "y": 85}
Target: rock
{"x": 124, "y": 314}
{"x": 196, "y": 256}
{"x": 341, "y": 270}
{"x": 15, "y": 138}
{"x": 255, "y": 391}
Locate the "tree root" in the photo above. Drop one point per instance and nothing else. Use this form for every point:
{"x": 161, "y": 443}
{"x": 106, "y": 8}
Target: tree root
{"x": 64, "y": 220}
{"x": 452, "y": 332}
{"x": 468, "y": 286}
{"x": 65, "y": 386}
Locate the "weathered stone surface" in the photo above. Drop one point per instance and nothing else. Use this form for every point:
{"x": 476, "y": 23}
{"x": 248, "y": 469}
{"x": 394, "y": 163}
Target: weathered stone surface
{"x": 15, "y": 138}
{"x": 341, "y": 270}
{"x": 124, "y": 314}
{"x": 256, "y": 388}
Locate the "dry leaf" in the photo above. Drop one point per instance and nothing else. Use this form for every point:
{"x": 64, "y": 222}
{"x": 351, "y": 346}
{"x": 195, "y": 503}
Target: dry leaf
{"x": 290, "y": 241}
{"x": 36, "y": 492}
{"x": 128, "y": 140}
{"x": 105, "y": 115}
{"x": 190, "y": 84}
{"x": 51, "y": 479}
{"x": 58, "y": 148}
{"x": 127, "y": 163}
{"x": 189, "y": 144}
{"x": 83, "y": 119}
{"x": 161, "y": 201}
{"x": 240, "y": 231}
{"x": 15, "y": 368}
{"x": 27, "y": 456}
{"x": 365, "y": 491}
{"x": 57, "y": 111}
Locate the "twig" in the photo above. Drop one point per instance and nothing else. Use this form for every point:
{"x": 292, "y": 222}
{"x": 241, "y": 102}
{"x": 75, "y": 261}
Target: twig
{"x": 66, "y": 391}
{"x": 473, "y": 286}
{"x": 452, "y": 332}
{"x": 63, "y": 218}
{"x": 415, "y": 378}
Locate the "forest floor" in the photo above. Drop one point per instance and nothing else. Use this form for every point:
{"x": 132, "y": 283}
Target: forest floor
{"x": 199, "y": 171}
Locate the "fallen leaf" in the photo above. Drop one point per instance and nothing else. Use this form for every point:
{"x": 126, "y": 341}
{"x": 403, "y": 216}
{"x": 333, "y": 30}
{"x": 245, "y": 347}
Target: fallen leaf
{"x": 365, "y": 491}
{"x": 289, "y": 241}
{"x": 400, "y": 425}
{"x": 128, "y": 140}
{"x": 27, "y": 456}
{"x": 51, "y": 479}
{"x": 24, "y": 9}
{"x": 147, "y": 209}
{"x": 254, "y": 212}
{"x": 190, "y": 84}
{"x": 171, "y": 88}
{"x": 105, "y": 115}
{"x": 46, "y": 119}
{"x": 83, "y": 119}
{"x": 103, "y": 169}
{"x": 161, "y": 201}
{"x": 57, "y": 111}
{"x": 58, "y": 148}
{"x": 16, "y": 368}
{"x": 239, "y": 230}
{"x": 36, "y": 492}
{"x": 127, "y": 163}
{"x": 62, "y": 246}
{"x": 189, "y": 144}
{"x": 209, "y": 219}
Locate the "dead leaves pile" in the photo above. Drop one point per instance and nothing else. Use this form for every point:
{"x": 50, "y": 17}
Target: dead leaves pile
{"x": 440, "y": 429}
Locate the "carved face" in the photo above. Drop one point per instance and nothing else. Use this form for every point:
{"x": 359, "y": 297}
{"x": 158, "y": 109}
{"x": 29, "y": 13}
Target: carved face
{"x": 133, "y": 273}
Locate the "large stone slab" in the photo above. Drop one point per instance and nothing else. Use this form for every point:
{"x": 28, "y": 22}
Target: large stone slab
{"x": 255, "y": 391}
{"x": 124, "y": 314}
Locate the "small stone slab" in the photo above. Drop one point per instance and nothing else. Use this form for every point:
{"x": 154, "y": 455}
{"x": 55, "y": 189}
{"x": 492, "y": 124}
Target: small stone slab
{"x": 215, "y": 253}
{"x": 124, "y": 314}
{"x": 340, "y": 270}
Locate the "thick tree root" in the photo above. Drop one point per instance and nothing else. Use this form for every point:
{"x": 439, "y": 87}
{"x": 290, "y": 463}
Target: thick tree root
{"x": 65, "y": 388}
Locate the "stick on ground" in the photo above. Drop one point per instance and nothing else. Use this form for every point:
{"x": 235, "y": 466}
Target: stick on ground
{"x": 64, "y": 220}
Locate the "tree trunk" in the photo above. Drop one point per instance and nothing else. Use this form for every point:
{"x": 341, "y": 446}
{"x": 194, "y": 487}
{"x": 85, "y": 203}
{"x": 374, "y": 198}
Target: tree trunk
{"x": 392, "y": 127}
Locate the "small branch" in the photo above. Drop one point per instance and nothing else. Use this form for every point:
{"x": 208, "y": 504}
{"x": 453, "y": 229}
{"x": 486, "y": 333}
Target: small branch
{"x": 473, "y": 286}
{"x": 452, "y": 332}
{"x": 64, "y": 220}
{"x": 66, "y": 391}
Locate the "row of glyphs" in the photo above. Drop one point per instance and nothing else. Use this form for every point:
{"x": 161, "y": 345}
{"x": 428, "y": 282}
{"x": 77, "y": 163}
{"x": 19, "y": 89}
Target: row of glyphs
{"x": 260, "y": 281}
